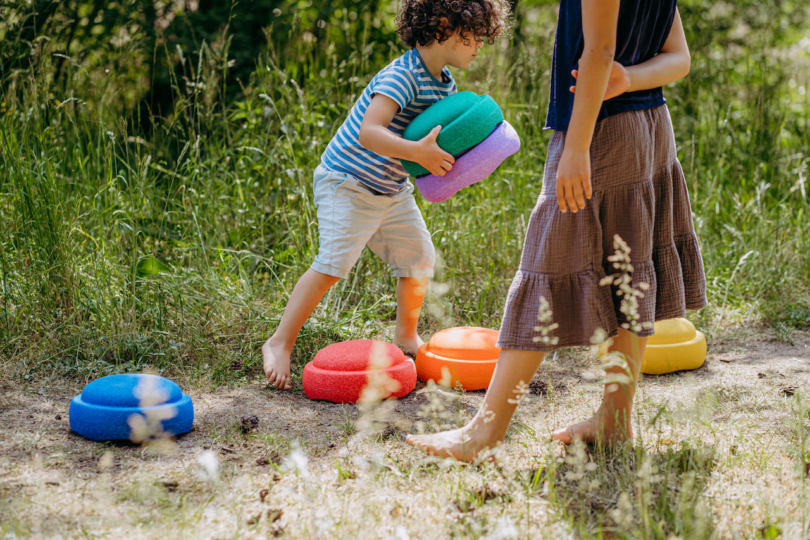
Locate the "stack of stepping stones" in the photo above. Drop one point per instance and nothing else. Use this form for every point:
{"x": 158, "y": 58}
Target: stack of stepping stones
{"x": 473, "y": 131}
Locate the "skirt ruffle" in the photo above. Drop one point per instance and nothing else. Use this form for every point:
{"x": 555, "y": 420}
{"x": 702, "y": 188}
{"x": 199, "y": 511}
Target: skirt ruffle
{"x": 565, "y": 256}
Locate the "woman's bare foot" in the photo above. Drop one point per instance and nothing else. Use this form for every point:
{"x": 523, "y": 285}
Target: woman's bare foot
{"x": 276, "y": 365}
{"x": 602, "y": 427}
{"x": 458, "y": 444}
{"x": 409, "y": 345}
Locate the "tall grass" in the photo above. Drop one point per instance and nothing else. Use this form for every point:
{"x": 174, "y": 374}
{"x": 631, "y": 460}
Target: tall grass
{"x": 179, "y": 251}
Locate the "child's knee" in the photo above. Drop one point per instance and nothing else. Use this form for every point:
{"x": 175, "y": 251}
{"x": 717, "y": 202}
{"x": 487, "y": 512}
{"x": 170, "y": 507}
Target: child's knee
{"x": 423, "y": 262}
{"x": 430, "y": 255}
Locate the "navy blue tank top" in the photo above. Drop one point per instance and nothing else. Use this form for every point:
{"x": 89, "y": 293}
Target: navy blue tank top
{"x": 643, "y": 29}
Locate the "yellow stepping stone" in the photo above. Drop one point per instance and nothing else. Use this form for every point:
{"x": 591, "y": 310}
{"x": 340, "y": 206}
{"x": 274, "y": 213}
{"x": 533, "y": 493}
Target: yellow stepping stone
{"x": 676, "y": 346}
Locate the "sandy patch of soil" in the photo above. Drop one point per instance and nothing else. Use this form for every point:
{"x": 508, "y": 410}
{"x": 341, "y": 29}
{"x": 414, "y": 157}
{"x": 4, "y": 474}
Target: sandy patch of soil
{"x": 53, "y": 481}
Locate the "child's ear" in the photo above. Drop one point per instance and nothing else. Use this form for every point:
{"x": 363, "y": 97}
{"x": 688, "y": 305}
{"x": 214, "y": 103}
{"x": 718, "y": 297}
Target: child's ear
{"x": 444, "y": 29}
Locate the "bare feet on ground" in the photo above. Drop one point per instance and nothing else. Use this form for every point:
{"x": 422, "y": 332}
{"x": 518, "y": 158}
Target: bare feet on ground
{"x": 457, "y": 444}
{"x": 276, "y": 365}
{"x": 409, "y": 345}
{"x": 600, "y": 427}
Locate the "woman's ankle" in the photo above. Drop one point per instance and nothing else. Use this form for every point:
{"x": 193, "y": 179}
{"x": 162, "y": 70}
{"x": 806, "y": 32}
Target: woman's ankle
{"x": 613, "y": 418}
{"x": 483, "y": 433}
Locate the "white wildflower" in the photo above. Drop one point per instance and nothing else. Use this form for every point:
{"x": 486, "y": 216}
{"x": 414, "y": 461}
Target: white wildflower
{"x": 209, "y": 467}
{"x": 297, "y": 461}
{"x": 503, "y": 529}
{"x": 546, "y": 327}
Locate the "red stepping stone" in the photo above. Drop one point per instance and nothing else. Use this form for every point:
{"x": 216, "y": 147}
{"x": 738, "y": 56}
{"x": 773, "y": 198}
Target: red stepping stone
{"x": 342, "y": 372}
{"x": 467, "y": 354}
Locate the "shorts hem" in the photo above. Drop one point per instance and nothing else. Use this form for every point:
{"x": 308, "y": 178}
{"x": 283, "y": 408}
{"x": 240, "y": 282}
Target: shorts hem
{"x": 413, "y": 272}
{"x": 330, "y": 270}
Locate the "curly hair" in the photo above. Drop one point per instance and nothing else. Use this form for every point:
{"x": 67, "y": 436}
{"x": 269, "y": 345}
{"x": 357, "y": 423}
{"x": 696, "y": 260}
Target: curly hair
{"x": 421, "y": 22}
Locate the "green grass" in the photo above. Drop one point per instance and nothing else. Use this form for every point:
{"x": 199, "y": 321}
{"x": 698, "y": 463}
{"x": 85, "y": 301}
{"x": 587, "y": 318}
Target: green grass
{"x": 178, "y": 252}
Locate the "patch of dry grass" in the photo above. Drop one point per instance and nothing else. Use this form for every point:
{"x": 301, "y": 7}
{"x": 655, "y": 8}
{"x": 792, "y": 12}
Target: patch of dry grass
{"x": 720, "y": 453}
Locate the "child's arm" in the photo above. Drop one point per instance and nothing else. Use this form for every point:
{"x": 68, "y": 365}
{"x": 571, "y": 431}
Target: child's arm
{"x": 668, "y": 66}
{"x": 376, "y": 137}
{"x": 599, "y": 22}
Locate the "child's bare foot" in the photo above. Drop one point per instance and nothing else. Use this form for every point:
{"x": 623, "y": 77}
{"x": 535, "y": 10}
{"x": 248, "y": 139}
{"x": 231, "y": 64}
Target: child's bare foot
{"x": 409, "y": 345}
{"x": 458, "y": 444}
{"x": 601, "y": 427}
{"x": 276, "y": 365}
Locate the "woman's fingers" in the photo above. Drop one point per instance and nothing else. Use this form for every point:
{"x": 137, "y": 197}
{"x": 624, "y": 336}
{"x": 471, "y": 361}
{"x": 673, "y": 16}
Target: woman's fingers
{"x": 570, "y": 198}
{"x": 561, "y": 197}
{"x": 447, "y": 165}
{"x": 577, "y": 189}
{"x": 571, "y": 194}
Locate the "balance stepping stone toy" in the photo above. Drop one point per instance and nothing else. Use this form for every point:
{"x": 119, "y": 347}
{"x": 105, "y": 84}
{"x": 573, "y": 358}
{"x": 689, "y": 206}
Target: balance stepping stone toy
{"x": 467, "y": 354}
{"x": 105, "y": 409}
{"x": 676, "y": 346}
{"x": 473, "y": 131}
{"x": 466, "y": 119}
{"x": 472, "y": 166}
{"x": 342, "y": 372}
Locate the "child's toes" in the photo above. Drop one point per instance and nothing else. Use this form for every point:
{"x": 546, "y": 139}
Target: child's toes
{"x": 272, "y": 378}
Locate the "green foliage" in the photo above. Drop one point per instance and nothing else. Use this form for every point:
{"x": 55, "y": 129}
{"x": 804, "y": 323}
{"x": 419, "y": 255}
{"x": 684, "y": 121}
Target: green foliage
{"x": 131, "y": 238}
{"x": 152, "y": 51}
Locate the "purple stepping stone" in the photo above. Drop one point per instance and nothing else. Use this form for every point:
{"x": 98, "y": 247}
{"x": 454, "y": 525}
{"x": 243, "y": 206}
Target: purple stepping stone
{"x": 473, "y": 166}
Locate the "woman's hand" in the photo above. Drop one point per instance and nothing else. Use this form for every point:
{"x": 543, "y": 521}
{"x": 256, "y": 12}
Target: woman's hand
{"x": 573, "y": 178}
{"x": 618, "y": 83}
{"x": 431, "y": 156}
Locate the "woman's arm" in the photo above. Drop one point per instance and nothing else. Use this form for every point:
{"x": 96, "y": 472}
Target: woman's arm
{"x": 599, "y": 22}
{"x": 376, "y": 137}
{"x": 668, "y": 66}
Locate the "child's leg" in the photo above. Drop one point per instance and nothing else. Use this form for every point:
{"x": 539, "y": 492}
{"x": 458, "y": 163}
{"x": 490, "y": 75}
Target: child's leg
{"x": 403, "y": 242}
{"x": 306, "y": 295}
{"x": 410, "y": 296}
{"x": 612, "y": 421}
{"x": 488, "y": 428}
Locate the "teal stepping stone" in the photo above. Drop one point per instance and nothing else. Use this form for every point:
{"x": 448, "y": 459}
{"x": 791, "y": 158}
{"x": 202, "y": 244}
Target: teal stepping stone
{"x": 466, "y": 119}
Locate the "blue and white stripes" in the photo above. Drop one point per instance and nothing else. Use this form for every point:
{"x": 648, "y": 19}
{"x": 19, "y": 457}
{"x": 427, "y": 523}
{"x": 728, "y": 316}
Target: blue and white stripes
{"x": 407, "y": 81}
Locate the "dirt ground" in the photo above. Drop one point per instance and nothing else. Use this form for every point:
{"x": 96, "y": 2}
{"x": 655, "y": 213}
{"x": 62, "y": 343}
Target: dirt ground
{"x": 305, "y": 472}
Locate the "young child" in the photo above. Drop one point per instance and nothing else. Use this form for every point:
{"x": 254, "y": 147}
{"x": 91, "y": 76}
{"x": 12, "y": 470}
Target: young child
{"x": 361, "y": 191}
{"x": 625, "y": 147}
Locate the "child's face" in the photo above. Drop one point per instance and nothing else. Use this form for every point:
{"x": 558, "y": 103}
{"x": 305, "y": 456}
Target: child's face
{"x": 461, "y": 54}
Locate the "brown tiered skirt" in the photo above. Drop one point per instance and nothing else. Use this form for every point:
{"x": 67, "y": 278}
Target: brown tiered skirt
{"x": 639, "y": 193}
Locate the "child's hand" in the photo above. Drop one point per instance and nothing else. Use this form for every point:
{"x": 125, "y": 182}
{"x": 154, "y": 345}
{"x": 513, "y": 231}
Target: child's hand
{"x": 432, "y": 157}
{"x": 573, "y": 177}
{"x": 618, "y": 83}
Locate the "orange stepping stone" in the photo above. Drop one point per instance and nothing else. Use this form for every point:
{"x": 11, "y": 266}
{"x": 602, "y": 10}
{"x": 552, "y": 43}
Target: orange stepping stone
{"x": 467, "y": 355}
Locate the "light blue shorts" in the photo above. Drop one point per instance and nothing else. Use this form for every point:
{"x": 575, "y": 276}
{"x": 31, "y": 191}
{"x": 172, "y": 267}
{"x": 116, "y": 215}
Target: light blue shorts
{"x": 350, "y": 217}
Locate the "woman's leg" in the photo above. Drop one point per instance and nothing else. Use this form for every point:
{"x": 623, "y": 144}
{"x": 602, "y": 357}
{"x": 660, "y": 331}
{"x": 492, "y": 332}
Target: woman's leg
{"x": 612, "y": 421}
{"x": 487, "y": 429}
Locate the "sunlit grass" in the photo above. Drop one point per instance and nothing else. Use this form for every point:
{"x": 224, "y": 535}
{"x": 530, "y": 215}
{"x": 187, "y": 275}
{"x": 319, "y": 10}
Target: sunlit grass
{"x": 176, "y": 250}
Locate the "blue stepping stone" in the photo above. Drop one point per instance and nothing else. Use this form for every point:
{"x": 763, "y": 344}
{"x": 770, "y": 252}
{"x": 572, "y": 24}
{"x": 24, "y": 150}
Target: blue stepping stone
{"x": 102, "y": 411}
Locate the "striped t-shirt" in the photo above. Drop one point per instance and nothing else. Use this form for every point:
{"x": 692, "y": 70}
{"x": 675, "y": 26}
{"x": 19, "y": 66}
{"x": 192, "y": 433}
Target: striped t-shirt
{"x": 407, "y": 81}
